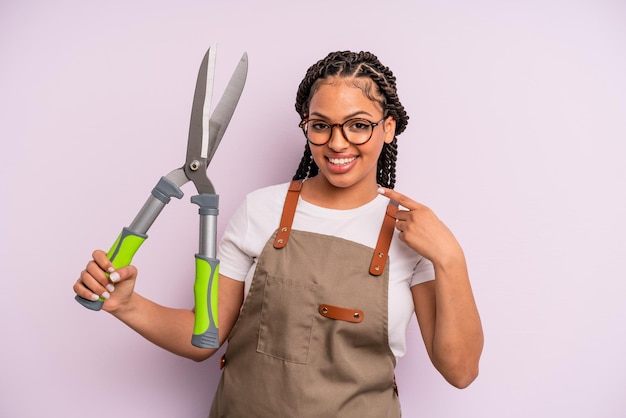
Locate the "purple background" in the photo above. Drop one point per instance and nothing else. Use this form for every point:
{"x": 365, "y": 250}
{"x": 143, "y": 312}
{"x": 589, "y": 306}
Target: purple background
{"x": 516, "y": 140}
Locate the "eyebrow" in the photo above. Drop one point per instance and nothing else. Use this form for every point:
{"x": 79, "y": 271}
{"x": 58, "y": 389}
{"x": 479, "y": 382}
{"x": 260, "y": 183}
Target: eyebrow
{"x": 348, "y": 117}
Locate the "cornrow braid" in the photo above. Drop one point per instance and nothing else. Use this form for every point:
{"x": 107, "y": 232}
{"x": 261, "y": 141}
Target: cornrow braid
{"x": 354, "y": 65}
{"x": 307, "y": 167}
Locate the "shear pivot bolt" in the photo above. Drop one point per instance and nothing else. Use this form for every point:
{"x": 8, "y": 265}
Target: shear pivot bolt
{"x": 195, "y": 164}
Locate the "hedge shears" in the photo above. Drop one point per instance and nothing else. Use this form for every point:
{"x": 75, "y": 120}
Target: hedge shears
{"x": 205, "y": 133}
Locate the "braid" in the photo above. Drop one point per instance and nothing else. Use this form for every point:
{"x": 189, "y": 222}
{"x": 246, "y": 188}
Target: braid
{"x": 355, "y": 66}
{"x": 386, "y": 173}
{"x": 307, "y": 167}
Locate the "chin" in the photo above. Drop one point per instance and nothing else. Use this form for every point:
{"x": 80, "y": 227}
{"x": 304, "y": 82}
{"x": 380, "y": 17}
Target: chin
{"x": 344, "y": 181}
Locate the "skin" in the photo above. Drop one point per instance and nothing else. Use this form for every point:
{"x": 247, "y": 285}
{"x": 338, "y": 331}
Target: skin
{"x": 445, "y": 307}
{"x": 352, "y": 185}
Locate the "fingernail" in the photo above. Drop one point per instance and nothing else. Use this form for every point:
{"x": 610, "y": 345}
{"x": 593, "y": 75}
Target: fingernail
{"x": 111, "y": 269}
{"x": 115, "y": 277}
{"x": 106, "y": 295}
{"x": 381, "y": 190}
{"x": 110, "y": 287}
{"x": 94, "y": 297}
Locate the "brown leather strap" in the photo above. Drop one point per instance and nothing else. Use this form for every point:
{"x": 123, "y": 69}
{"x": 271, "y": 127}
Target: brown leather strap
{"x": 381, "y": 252}
{"x": 343, "y": 314}
{"x": 377, "y": 266}
{"x": 289, "y": 210}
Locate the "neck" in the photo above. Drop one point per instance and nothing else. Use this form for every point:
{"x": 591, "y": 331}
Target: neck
{"x": 320, "y": 192}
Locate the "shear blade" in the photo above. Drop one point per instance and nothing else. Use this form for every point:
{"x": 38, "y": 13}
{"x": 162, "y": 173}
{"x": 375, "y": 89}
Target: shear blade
{"x": 226, "y": 107}
{"x": 208, "y": 95}
{"x": 206, "y": 132}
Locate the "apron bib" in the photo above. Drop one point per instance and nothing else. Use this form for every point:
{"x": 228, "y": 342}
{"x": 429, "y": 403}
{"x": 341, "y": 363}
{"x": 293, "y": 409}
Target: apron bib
{"x": 312, "y": 336}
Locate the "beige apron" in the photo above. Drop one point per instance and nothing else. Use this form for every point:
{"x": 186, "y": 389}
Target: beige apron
{"x": 312, "y": 337}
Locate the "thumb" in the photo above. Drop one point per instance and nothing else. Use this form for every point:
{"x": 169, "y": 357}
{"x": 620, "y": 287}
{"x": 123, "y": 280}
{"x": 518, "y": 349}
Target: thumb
{"x": 123, "y": 273}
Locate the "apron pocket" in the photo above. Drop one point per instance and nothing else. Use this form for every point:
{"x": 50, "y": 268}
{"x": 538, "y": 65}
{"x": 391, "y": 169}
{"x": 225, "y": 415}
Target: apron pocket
{"x": 286, "y": 320}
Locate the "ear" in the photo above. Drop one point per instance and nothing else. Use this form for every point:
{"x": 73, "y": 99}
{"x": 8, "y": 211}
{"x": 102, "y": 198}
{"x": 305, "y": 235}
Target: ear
{"x": 389, "y": 126}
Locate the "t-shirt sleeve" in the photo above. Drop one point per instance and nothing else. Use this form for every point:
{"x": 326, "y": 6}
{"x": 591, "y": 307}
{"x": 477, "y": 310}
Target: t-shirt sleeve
{"x": 235, "y": 261}
{"x": 424, "y": 271}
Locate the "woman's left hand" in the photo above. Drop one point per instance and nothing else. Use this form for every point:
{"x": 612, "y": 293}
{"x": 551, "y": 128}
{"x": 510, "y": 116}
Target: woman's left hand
{"x": 423, "y": 231}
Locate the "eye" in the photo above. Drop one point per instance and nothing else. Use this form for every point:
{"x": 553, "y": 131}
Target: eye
{"x": 318, "y": 125}
{"x": 358, "y": 125}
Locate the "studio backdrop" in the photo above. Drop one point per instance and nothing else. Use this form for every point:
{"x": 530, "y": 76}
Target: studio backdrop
{"x": 515, "y": 139}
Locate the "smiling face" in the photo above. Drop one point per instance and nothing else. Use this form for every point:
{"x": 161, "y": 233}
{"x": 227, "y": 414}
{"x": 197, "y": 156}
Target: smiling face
{"x": 343, "y": 165}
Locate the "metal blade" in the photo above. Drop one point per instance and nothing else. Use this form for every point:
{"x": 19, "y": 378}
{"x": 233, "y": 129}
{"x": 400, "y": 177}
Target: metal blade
{"x": 198, "y": 142}
{"x": 227, "y": 104}
{"x": 208, "y": 96}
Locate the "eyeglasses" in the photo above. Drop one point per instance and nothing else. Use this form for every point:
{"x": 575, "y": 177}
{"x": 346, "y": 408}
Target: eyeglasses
{"x": 356, "y": 131}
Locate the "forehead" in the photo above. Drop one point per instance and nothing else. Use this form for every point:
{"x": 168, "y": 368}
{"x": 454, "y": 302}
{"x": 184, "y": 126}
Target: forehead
{"x": 345, "y": 95}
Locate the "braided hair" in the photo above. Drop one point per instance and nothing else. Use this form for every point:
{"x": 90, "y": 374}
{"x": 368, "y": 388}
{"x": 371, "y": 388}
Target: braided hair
{"x": 348, "y": 64}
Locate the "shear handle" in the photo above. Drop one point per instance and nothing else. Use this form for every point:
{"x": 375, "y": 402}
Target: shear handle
{"x": 130, "y": 239}
{"x": 205, "y": 333}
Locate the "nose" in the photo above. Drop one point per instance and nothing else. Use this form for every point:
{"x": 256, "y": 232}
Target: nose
{"x": 339, "y": 141}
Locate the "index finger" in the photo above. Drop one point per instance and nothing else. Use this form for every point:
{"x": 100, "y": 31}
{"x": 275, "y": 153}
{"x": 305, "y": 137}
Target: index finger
{"x": 101, "y": 259}
{"x": 399, "y": 197}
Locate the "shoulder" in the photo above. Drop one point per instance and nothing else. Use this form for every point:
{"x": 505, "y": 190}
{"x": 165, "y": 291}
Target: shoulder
{"x": 269, "y": 192}
{"x": 263, "y": 205}
{"x": 253, "y": 222}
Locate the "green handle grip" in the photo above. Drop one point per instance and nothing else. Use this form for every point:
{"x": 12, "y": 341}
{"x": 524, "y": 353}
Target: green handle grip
{"x": 121, "y": 254}
{"x": 205, "y": 330}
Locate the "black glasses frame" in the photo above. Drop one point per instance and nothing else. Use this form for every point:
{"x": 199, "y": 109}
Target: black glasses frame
{"x": 304, "y": 122}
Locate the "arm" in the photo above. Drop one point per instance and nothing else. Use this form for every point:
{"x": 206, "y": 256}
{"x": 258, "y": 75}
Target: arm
{"x": 450, "y": 324}
{"x": 168, "y": 328}
{"x": 445, "y": 307}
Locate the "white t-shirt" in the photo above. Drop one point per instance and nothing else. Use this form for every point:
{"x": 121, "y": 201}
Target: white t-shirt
{"x": 258, "y": 217}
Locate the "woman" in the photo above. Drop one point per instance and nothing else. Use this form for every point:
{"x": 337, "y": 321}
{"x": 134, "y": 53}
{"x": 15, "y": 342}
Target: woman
{"x": 319, "y": 277}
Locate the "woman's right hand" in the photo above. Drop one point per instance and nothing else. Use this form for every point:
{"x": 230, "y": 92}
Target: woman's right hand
{"x": 116, "y": 287}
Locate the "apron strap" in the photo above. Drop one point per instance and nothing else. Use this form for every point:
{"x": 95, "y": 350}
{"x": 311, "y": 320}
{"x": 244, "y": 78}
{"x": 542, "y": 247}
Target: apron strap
{"x": 381, "y": 252}
{"x": 289, "y": 211}
{"x": 384, "y": 240}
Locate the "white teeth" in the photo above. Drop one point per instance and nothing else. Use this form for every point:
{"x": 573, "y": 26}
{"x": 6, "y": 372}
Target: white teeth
{"x": 341, "y": 161}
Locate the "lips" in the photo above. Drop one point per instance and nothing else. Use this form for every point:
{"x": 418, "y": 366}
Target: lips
{"x": 340, "y": 165}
